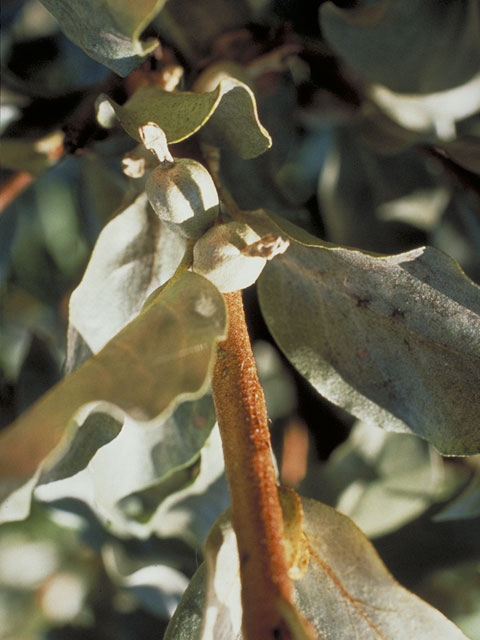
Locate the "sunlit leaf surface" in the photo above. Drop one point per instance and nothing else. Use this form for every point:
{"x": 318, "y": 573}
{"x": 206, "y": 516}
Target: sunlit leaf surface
{"x": 228, "y": 115}
{"x": 134, "y": 254}
{"x": 108, "y": 30}
{"x": 395, "y": 340}
{"x": 162, "y": 355}
{"x": 345, "y": 591}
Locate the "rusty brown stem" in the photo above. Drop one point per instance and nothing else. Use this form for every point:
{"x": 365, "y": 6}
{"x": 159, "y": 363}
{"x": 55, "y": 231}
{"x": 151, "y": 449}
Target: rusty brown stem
{"x": 13, "y": 187}
{"x": 256, "y": 511}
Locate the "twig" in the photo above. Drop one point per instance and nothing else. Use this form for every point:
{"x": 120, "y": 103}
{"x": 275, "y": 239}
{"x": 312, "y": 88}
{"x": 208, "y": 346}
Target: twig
{"x": 256, "y": 510}
{"x": 13, "y": 187}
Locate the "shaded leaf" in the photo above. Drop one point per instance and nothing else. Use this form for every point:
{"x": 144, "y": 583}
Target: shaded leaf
{"x": 395, "y": 340}
{"x": 189, "y": 514}
{"x": 466, "y": 505}
{"x": 144, "y": 463}
{"x": 186, "y": 622}
{"x": 363, "y": 202}
{"x": 466, "y": 151}
{"x": 33, "y": 156}
{"x": 228, "y": 115}
{"x": 162, "y": 355}
{"x": 108, "y": 30}
{"x": 158, "y": 588}
{"x": 382, "y": 480}
{"x": 432, "y": 116}
{"x": 345, "y": 592}
{"x": 192, "y": 26}
{"x": 395, "y": 42}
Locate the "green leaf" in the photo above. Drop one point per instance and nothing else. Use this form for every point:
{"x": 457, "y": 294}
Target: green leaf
{"x": 186, "y": 622}
{"x": 193, "y": 27}
{"x": 396, "y": 42}
{"x": 123, "y": 270}
{"x": 189, "y": 514}
{"x": 108, "y": 30}
{"x": 382, "y": 480}
{"x": 344, "y": 589}
{"x": 33, "y": 156}
{"x": 394, "y": 340}
{"x": 466, "y": 505}
{"x": 157, "y": 587}
{"x": 162, "y": 356}
{"x": 348, "y": 591}
{"x": 363, "y": 201}
{"x": 228, "y": 115}
{"x": 134, "y": 483}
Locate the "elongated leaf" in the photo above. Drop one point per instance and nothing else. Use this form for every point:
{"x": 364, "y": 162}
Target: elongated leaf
{"x": 358, "y": 596}
{"x": 395, "y": 42}
{"x": 228, "y": 113}
{"x": 33, "y": 156}
{"x": 134, "y": 254}
{"x": 108, "y": 30}
{"x": 395, "y": 340}
{"x": 162, "y": 355}
{"x": 343, "y": 588}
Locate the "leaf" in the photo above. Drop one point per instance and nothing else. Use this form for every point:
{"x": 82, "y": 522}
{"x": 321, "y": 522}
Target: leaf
{"x": 192, "y": 27}
{"x": 145, "y": 463}
{"x": 108, "y": 30}
{"x": 186, "y": 622}
{"x": 345, "y": 590}
{"x": 358, "y": 596}
{"x": 363, "y": 201}
{"x": 395, "y": 42}
{"x": 157, "y": 587}
{"x": 228, "y": 115}
{"x": 134, "y": 254}
{"x": 382, "y": 480}
{"x": 163, "y": 355}
{"x": 189, "y": 514}
{"x": 394, "y": 340}
{"x": 33, "y": 156}
{"x": 466, "y": 505}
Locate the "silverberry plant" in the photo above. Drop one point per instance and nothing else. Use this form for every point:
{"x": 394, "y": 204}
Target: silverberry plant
{"x": 240, "y": 328}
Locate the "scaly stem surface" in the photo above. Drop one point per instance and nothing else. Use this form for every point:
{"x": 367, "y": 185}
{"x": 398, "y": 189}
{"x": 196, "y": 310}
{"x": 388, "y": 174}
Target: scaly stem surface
{"x": 256, "y": 511}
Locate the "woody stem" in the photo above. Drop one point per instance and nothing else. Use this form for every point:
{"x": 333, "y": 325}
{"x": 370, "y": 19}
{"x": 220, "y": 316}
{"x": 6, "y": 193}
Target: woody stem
{"x": 256, "y": 511}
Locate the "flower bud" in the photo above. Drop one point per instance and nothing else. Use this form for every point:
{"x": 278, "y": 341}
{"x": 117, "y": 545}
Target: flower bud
{"x": 222, "y": 255}
{"x": 183, "y": 196}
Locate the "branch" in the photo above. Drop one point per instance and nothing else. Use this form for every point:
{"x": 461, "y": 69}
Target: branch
{"x": 13, "y": 187}
{"x": 256, "y": 510}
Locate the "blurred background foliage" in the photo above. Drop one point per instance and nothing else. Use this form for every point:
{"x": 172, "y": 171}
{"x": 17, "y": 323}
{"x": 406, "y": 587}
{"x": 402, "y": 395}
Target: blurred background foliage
{"x": 376, "y": 146}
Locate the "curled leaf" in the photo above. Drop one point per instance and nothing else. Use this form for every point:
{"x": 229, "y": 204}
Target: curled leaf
{"x": 227, "y": 116}
{"x": 163, "y": 355}
{"x": 108, "y": 30}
